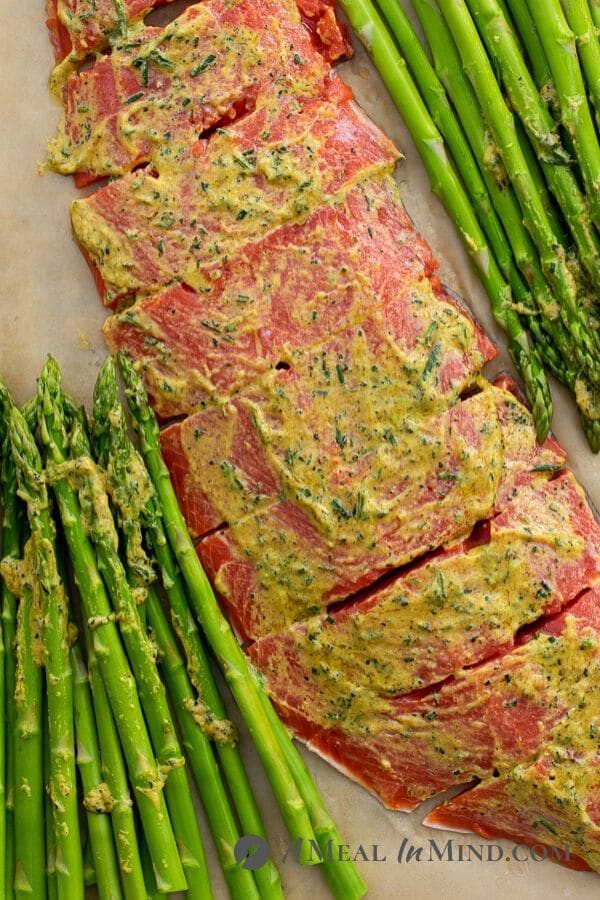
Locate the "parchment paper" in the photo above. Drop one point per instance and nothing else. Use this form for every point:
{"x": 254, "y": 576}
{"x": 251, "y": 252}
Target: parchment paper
{"x": 48, "y": 303}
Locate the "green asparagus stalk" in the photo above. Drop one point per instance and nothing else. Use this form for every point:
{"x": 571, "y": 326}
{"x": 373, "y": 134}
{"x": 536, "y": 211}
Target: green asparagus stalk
{"x": 134, "y": 501}
{"x": 433, "y": 93}
{"x": 115, "y": 776}
{"x": 559, "y": 45}
{"x": 502, "y": 124}
{"x": 503, "y": 200}
{"x": 448, "y": 67}
{"x": 150, "y": 881}
{"x": 517, "y": 14}
{"x": 59, "y": 679}
{"x": 97, "y": 799}
{"x": 539, "y": 124}
{"x": 118, "y": 680}
{"x": 503, "y": 48}
{"x": 595, "y": 12}
{"x": 29, "y": 830}
{"x": 200, "y": 755}
{"x": 581, "y": 23}
{"x": 51, "y": 885}
{"x": 141, "y": 654}
{"x": 240, "y": 675}
{"x": 445, "y": 183}
{"x": 12, "y": 526}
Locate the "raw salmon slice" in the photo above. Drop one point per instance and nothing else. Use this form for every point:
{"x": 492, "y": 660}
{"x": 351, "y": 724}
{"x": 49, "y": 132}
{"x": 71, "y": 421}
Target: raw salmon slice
{"x": 79, "y": 27}
{"x": 299, "y": 285}
{"x": 335, "y": 430}
{"x": 291, "y": 559}
{"x": 161, "y": 89}
{"x": 272, "y": 168}
{"x": 552, "y": 799}
{"x": 228, "y": 438}
{"x": 351, "y": 683}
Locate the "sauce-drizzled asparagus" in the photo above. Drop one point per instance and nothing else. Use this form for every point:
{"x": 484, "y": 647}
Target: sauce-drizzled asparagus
{"x": 559, "y": 46}
{"x": 301, "y": 809}
{"x": 501, "y": 43}
{"x": 53, "y": 611}
{"x": 120, "y": 684}
{"x": 11, "y": 549}
{"x": 115, "y": 776}
{"x": 502, "y": 125}
{"x": 152, "y": 694}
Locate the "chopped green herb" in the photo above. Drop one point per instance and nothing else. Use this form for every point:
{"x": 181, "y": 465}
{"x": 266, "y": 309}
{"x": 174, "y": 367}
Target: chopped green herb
{"x": 203, "y": 66}
{"x": 545, "y": 824}
{"x": 339, "y": 510}
{"x": 433, "y": 360}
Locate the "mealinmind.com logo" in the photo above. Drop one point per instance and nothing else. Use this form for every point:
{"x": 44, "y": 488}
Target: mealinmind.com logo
{"x": 252, "y": 851}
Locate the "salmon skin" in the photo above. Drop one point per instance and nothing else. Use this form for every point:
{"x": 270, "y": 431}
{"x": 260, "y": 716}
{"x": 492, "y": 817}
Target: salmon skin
{"x": 160, "y": 90}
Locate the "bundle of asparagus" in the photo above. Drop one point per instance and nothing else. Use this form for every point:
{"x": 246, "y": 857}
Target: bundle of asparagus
{"x": 105, "y": 678}
{"x": 505, "y": 129}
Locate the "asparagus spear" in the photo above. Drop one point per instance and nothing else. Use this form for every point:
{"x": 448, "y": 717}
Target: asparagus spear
{"x": 502, "y": 46}
{"x": 141, "y": 654}
{"x": 516, "y": 12}
{"x": 448, "y": 66}
{"x": 502, "y": 125}
{"x": 559, "y": 45}
{"x": 12, "y": 533}
{"x": 51, "y": 885}
{"x": 595, "y": 11}
{"x": 29, "y": 831}
{"x": 445, "y": 183}
{"x": 59, "y": 681}
{"x": 292, "y": 795}
{"x": 97, "y": 798}
{"x": 134, "y": 500}
{"x": 200, "y": 755}
{"x": 434, "y": 95}
{"x": 115, "y": 776}
{"x": 539, "y": 124}
{"x": 581, "y": 23}
{"x": 119, "y": 682}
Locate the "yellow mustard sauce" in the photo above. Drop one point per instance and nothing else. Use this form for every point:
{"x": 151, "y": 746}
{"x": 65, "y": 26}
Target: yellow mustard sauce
{"x": 199, "y": 210}
{"x": 188, "y": 76}
{"x": 553, "y": 789}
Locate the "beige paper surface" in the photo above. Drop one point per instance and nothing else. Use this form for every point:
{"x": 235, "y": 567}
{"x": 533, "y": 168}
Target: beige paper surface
{"x": 48, "y": 303}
